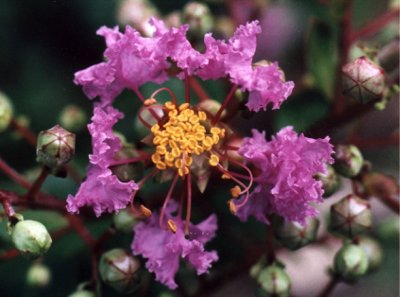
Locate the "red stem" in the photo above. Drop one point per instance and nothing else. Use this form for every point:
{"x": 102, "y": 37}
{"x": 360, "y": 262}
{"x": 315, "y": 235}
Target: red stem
{"x": 374, "y": 26}
{"x": 187, "y": 87}
{"x": 198, "y": 89}
{"x": 224, "y": 104}
{"x": 12, "y": 174}
{"x": 23, "y": 131}
{"x": 391, "y": 202}
{"x": 34, "y": 189}
{"x": 329, "y": 287}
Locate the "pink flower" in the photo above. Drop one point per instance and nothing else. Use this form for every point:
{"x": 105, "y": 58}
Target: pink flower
{"x": 163, "y": 249}
{"x": 286, "y": 185}
{"x": 102, "y": 190}
{"x": 133, "y": 60}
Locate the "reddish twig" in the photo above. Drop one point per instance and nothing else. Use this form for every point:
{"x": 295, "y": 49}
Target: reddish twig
{"x": 34, "y": 189}
{"x": 9, "y": 254}
{"x": 81, "y": 230}
{"x": 374, "y": 26}
{"x": 198, "y": 89}
{"x": 28, "y": 135}
{"x": 391, "y": 202}
{"x": 14, "y": 175}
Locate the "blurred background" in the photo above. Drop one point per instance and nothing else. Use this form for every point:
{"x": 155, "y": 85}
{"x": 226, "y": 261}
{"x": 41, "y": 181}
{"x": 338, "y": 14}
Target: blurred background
{"x": 42, "y": 45}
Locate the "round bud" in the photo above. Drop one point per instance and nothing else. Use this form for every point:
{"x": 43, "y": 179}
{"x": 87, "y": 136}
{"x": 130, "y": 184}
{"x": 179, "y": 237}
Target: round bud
{"x": 82, "y": 293}
{"x": 120, "y": 270}
{"x": 373, "y": 250}
{"x": 363, "y": 80}
{"x": 31, "y": 238}
{"x": 350, "y": 262}
{"x": 330, "y": 181}
{"x": 73, "y": 118}
{"x": 55, "y": 147}
{"x": 129, "y": 171}
{"x": 348, "y": 160}
{"x": 6, "y": 112}
{"x": 124, "y": 221}
{"x": 274, "y": 281}
{"x": 350, "y": 216}
{"x": 199, "y": 18}
{"x": 38, "y": 275}
{"x": 294, "y": 235}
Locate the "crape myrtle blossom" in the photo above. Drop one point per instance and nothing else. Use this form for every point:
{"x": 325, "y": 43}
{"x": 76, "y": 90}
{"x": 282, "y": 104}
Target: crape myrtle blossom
{"x": 184, "y": 140}
{"x": 102, "y": 190}
{"x": 133, "y": 60}
{"x": 285, "y": 184}
{"x": 163, "y": 249}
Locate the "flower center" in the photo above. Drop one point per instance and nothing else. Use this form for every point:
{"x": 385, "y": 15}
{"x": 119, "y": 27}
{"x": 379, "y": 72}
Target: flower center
{"x": 186, "y": 133}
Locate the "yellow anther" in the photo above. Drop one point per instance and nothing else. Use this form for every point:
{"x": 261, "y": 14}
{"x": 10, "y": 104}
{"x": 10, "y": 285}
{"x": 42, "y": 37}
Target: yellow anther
{"x": 178, "y": 163}
{"x": 232, "y": 207}
{"x": 225, "y": 176}
{"x": 173, "y": 113}
{"x": 235, "y": 191}
{"x": 161, "y": 165}
{"x": 157, "y": 140}
{"x": 215, "y": 130}
{"x": 194, "y": 119}
{"x": 144, "y": 210}
{"x": 149, "y": 101}
{"x": 208, "y": 141}
{"x": 170, "y": 105}
{"x": 176, "y": 152}
{"x": 183, "y": 171}
{"x": 215, "y": 138}
{"x": 171, "y": 226}
{"x": 155, "y": 128}
{"x": 184, "y": 106}
{"x": 155, "y": 158}
{"x": 202, "y": 116}
{"x": 182, "y": 117}
{"x": 170, "y": 157}
{"x": 214, "y": 160}
{"x": 161, "y": 150}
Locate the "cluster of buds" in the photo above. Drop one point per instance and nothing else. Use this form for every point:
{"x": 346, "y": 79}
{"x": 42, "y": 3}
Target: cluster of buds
{"x": 272, "y": 280}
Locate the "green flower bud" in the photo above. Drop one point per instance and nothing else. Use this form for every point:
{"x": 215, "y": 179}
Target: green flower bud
{"x": 31, "y": 238}
{"x": 330, "y": 181}
{"x": 82, "y": 293}
{"x": 199, "y": 18}
{"x": 351, "y": 262}
{"x": 38, "y": 275}
{"x": 6, "y": 112}
{"x": 274, "y": 281}
{"x": 348, "y": 160}
{"x": 363, "y": 80}
{"x": 124, "y": 221}
{"x": 373, "y": 250}
{"x": 73, "y": 118}
{"x": 55, "y": 147}
{"x": 119, "y": 270}
{"x": 350, "y": 216}
{"x": 293, "y": 235}
{"x": 130, "y": 171}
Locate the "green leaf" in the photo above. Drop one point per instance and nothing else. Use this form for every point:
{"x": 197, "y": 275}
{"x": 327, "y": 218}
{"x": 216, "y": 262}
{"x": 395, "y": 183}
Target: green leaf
{"x": 322, "y": 56}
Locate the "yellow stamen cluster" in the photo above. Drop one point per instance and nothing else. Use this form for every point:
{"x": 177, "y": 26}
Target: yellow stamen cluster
{"x": 181, "y": 136}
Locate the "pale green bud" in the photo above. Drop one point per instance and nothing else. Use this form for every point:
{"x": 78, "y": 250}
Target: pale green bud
{"x": 6, "y": 112}
{"x": 38, "y": 275}
{"x": 351, "y": 262}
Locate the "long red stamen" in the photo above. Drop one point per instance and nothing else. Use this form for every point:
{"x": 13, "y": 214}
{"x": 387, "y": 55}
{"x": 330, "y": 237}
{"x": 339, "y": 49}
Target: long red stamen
{"x": 173, "y": 97}
{"x": 187, "y": 87}
{"x": 189, "y": 204}
{"x": 153, "y": 113}
{"x": 167, "y": 199}
{"x": 140, "y": 183}
{"x": 224, "y": 104}
{"x": 130, "y": 160}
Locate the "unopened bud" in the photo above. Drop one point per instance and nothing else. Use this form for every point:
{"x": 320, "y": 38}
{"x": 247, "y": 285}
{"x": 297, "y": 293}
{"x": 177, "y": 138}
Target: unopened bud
{"x": 363, "y": 80}
{"x": 224, "y": 26}
{"x": 330, "y": 181}
{"x": 73, "y": 118}
{"x": 124, "y": 221}
{"x": 274, "y": 281}
{"x": 31, "y": 238}
{"x": 351, "y": 262}
{"x": 348, "y": 160}
{"x": 373, "y": 250}
{"x": 38, "y": 275}
{"x": 120, "y": 270}
{"x": 55, "y": 147}
{"x": 129, "y": 171}
{"x": 294, "y": 235}
{"x": 173, "y": 19}
{"x": 6, "y": 112}
{"x": 350, "y": 216}
{"x": 199, "y": 18}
